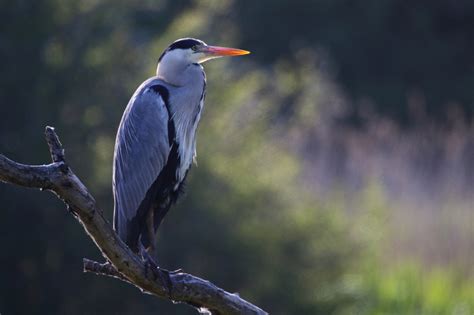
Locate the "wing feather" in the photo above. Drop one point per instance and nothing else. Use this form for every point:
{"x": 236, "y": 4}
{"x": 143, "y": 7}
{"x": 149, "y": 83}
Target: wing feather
{"x": 141, "y": 152}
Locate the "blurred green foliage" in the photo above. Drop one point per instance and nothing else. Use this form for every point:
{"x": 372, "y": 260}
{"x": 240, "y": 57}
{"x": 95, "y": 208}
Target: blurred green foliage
{"x": 407, "y": 289}
{"x": 247, "y": 222}
{"x": 384, "y": 284}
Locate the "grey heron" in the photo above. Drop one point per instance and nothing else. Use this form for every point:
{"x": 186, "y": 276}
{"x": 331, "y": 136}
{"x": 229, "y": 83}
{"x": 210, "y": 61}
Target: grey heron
{"x": 156, "y": 140}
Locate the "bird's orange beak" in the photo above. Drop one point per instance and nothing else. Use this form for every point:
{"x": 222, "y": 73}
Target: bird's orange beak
{"x": 224, "y": 51}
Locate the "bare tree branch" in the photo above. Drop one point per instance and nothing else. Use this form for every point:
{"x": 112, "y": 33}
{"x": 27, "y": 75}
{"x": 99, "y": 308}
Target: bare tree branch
{"x": 122, "y": 263}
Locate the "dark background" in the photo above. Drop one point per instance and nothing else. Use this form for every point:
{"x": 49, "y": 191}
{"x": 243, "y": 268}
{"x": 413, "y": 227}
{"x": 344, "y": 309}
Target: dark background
{"x": 334, "y": 163}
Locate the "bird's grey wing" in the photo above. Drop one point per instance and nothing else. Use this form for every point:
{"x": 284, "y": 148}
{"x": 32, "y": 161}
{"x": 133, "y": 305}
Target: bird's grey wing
{"x": 141, "y": 151}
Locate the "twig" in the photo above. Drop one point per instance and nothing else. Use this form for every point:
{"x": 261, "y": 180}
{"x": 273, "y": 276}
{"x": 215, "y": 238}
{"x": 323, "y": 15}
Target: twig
{"x": 122, "y": 263}
{"x": 55, "y": 146}
{"x": 105, "y": 269}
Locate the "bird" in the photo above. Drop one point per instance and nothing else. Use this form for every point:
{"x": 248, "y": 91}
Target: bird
{"x": 156, "y": 141}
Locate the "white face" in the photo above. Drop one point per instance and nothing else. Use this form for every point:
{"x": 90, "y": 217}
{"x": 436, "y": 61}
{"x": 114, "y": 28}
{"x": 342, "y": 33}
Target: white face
{"x": 174, "y": 63}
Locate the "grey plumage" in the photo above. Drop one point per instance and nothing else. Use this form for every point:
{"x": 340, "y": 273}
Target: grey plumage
{"x": 141, "y": 152}
{"x": 156, "y": 140}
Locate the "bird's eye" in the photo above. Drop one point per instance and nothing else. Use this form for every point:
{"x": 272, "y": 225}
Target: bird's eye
{"x": 194, "y": 48}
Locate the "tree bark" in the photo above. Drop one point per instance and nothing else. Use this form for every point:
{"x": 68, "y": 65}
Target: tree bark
{"x": 122, "y": 263}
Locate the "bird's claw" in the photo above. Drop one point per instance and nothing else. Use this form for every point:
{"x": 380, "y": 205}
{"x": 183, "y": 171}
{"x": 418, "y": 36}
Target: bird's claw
{"x": 173, "y": 272}
{"x": 158, "y": 273}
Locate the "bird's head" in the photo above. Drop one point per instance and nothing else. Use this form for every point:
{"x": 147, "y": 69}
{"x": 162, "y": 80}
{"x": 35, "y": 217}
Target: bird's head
{"x": 191, "y": 50}
{"x": 184, "y": 52}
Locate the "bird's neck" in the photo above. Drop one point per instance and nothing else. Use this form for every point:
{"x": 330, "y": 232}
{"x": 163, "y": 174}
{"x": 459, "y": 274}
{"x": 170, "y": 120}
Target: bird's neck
{"x": 179, "y": 74}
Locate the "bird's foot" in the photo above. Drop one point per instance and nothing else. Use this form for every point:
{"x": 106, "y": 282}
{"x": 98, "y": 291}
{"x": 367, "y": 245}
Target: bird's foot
{"x": 157, "y": 272}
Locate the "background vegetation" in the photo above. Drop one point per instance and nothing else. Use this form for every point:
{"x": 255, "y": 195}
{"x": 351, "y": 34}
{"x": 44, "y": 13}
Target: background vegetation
{"x": 334, "y": 163}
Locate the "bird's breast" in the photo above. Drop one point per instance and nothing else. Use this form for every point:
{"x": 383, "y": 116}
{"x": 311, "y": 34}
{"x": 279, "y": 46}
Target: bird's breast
{"x": 186, "y": 116}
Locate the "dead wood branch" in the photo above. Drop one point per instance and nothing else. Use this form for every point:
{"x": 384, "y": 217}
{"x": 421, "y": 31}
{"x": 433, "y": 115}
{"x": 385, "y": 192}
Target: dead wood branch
{"x": 121, "y": 263}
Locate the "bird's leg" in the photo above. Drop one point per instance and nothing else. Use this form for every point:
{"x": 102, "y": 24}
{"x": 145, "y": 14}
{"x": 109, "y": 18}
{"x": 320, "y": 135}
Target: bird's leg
{"x": 151, "y": 250}
{"x": 149, "y": 254}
